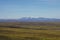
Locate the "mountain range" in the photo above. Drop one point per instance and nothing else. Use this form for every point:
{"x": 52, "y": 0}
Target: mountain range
{"x": 29, "y": 19}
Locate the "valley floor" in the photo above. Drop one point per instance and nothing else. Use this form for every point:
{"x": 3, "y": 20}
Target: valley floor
{"x": 28, "y": 34}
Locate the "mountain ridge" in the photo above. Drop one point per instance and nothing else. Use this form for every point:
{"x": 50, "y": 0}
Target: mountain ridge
{"x": 29, "y": 19}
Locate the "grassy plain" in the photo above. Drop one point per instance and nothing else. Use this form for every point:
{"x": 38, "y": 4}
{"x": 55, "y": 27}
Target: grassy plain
{"x": 33, "y": 32}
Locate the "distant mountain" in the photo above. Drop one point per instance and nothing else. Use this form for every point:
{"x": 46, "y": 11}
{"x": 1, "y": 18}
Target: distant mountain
{"x": 8, "y": 20}
{"x": 28, "y": 19}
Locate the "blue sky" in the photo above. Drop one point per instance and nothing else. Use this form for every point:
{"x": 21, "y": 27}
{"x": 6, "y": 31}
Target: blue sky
{"x": 12, "y": 9}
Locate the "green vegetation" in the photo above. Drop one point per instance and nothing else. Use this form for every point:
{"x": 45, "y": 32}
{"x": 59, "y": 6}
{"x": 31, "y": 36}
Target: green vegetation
{"x": 23, "y": 31}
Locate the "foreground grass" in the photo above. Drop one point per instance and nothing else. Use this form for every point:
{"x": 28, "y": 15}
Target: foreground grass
{"x": 28, "y": 34}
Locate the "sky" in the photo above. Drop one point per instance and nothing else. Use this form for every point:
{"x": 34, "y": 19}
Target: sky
{"x": 14, "y": 9}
